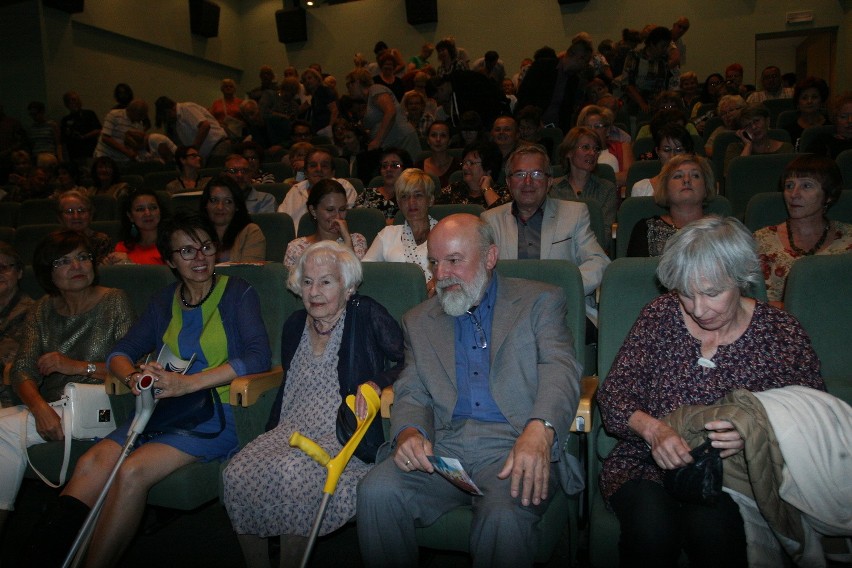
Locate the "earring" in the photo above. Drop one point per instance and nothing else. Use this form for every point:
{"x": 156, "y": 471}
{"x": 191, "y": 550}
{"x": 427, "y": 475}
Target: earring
{"x": 134, "y": 230}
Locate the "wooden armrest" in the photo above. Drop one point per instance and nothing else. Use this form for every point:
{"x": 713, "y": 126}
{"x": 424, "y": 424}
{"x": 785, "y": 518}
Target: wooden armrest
{"x": 583, "y": 419}
{"x": 115, "y": 386}
{"x": 245, "y": 390}
{"x": 387, "y": 402}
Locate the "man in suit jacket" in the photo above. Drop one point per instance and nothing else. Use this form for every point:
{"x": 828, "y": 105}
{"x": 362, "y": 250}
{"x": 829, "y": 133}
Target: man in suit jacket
{"x": 539, "y": 227}
{"x": 491, "y": 380}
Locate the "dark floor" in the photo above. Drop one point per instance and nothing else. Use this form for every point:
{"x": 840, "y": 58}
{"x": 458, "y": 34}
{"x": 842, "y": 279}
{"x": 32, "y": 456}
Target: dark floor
{"x": 204, "y": 538}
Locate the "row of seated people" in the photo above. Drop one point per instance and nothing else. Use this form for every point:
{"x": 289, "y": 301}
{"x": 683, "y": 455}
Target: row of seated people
{"x": 327, "y": 277}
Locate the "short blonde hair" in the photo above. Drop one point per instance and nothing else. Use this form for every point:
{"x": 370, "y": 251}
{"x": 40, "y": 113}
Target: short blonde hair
{"x": 411, "y": 180}
{"x": 360, "y": 76}
{"x": 661, "y": 192}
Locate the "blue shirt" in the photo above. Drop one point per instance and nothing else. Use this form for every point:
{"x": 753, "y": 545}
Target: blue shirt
{"x": 473, "y": 362}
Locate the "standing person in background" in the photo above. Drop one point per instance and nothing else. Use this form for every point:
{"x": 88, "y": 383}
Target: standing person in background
{"x": 43, "y": 134}
{"x": 118, "y": 123}
{"x": 322, "y": 110}
{"x": 79, "y": 129}
{"x": 677, "y": 50}
{"x": 646, "y": 70}
{"x": 192, "y": 125}
{"x": 422, "y": 59}
{"x": 227, "y": 110}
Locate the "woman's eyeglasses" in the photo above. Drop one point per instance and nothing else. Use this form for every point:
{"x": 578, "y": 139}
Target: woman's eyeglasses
{"x": 66, "y": 260}
{"x": 6, "y": 268}
{"x": 189, "y": 252}
{"x": 78, "y": 210}
{"x": 391, "y": 165}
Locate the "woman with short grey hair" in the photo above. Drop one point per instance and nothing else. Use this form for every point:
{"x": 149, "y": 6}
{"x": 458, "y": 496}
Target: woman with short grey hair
{"x": 693, "y": 345}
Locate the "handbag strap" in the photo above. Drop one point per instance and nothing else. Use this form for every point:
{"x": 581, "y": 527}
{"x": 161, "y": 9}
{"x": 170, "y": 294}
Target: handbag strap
{"x": 66, "y": 429}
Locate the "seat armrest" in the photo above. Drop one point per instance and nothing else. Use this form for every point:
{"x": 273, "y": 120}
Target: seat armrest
{"x": 245, "y": 390}
{"x": 583, "y": 419}
{"x": 387, "y": 402}
{"x": 115, "y": 386}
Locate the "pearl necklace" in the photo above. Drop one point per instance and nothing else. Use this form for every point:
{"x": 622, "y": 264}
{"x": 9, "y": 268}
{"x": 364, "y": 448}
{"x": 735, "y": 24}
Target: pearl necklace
{"x": 204, "y": 299}
{"x": 815, "y": 248}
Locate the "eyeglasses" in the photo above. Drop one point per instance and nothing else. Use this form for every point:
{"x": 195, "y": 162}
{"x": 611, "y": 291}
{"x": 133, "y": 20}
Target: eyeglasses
{"x": 714, "y": 83}
{"x": 189, "y": 252}
{"x": 589, "y": 147}
{"x": 66, "y": 260}
{"x": 79, "y": 211}
{"x": 6, "y": 268}
{"x": 676, "y": 149}
{"x": 251, "y": 158}
{"x": 196, "y": 155}
{"x": 481, "y": 340}
{"x": 600, "y": 125}
{"x": 535, "y": 175}
{"x": 471, "y": 163}
{"x": 237, "y": 171}
{"x": 143, "y": 208}
{"x": 394, "y": 165}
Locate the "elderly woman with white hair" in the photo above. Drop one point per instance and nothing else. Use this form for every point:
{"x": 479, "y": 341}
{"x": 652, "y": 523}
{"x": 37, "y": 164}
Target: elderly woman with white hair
{"x": 340, "y": 341}
{"x": 415, "y": 194}
{"x": 693, "y": 345}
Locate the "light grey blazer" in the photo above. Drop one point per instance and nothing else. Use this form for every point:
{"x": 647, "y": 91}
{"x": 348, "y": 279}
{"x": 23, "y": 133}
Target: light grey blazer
{"x": 534, "y": 373}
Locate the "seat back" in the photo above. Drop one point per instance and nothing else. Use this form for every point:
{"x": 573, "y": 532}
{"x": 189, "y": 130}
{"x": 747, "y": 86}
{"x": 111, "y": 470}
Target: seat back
{"x": 112, "y": 229}
{"x": 786, "y": 118}
{"x": 776, "y": 107}
{"x": 398, "y": 286}
{"x": 720, "y": 147}
{"x": 811, "y": 135}
{"x": 844, "y": 162}
{"x": 605, "y": 171}
{"x": 38, "y": 212}
{"x": 7, "y": 235}
{"x": 564, "y": 275}
{"x": 377, "y": 181}
{"x": 365, "y": 220}
{"x": 278, "y": 230}
{"x": 642, "y": 169}
{"x": 713, "y": 123}
{"x": 642, "y": 145}
{"x": 9, "y": 211}
{"x": 277, "y": 190}
{"x": 750, "y": 175}
{"x": 27, "y": 238}
{"x": 633, "y": 209}
{"x": 189, "y": 202}
{"x": 596, "y": 221}
{"x": 105, "y": 208}
{"x": 440, "y": 211}
{"x": 765, "y": 209}
{"x": 555, "y": 135}
{"x": 818, "y": 293}
{"x": 280, "y": 170}
{"x": 357, "y": 184}
{"x": 158, "y": 180}
{"x": 139, "y": 281}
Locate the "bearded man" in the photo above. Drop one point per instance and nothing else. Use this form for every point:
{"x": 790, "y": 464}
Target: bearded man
{"x": 491, "y": 380}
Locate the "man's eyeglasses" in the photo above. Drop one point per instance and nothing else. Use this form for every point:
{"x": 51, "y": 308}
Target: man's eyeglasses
{"x": 471, "y": 163}
{"x": 535, "y": 175}
{"x": 481, "y": 340}
{"x": 6, "y": 268}
{"x": 66, "y": 260}
{"x": 78, "y": 210}
{"x": 189, "y": 252}
{"x": 235, "y": 171}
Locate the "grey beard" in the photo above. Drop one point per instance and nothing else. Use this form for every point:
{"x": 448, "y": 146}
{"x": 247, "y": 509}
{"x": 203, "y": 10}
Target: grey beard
{"x": 458, "y": 302}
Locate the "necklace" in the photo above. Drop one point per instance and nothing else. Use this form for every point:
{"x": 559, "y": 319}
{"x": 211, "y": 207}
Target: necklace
{"x": 815, "y": 248}
{"x": 204, "y": 299}
{"x": 327, "y": 332}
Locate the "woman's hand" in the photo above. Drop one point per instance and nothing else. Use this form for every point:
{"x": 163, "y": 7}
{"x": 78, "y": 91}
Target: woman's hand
{"x": 344, "y": 232}
{"x": 168, "y": 384}
{"x": 669, "y": 450}
{"x": 742, "y": 135}
{"x": 48, "y": 423}
{"x": 55, "y": 362}
{"x": 361, "y": 402}
{"x": 724, "y": 437}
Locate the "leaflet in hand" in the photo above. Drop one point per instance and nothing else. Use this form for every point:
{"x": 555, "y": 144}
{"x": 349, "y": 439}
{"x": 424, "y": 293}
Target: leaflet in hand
{"x": 172, "y": 362}
{"x": 452, "y": 470}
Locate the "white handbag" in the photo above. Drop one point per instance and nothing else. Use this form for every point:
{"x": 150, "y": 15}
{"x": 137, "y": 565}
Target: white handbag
{"x": 86, "y": 415}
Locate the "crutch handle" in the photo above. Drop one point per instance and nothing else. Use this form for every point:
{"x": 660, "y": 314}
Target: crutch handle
{"x": 310, "y": 447}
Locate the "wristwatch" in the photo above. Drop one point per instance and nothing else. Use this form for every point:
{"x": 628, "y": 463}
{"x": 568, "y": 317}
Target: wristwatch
{"x": 91, "y": 369}
{"x": 545, "y": 422}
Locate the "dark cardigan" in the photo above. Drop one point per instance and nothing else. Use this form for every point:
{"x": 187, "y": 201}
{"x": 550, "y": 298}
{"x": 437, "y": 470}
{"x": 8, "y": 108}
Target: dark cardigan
{"x": 378, "y": 338}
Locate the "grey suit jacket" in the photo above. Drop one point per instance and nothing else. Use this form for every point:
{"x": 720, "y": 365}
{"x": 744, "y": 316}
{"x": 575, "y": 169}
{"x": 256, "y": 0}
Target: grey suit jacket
{"x": 533, "y": 370}
{"x": 565, "y": 234}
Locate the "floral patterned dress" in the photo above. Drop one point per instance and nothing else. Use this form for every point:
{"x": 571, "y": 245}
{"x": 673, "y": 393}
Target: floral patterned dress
{"x": 777, "y": 259}
{"x": 271, "y": 488}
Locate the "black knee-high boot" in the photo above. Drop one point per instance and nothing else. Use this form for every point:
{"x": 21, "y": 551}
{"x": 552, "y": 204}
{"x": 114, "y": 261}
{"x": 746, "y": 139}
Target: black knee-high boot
{"x": 54, "y": 533}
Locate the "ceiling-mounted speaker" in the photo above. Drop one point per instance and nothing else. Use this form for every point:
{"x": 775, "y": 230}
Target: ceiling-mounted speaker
{"x": 292, "y": 25}
{"x": 70, "y": 6}
{"x": 421, "y": 11}
{"x": 203, "y": 18}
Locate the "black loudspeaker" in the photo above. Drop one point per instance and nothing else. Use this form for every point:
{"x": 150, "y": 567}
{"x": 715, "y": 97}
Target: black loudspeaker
{"x": 421, "y": 11}
{"x": 70, "y": 6}
{"x": 203, "y": 18}
{"x": 292, "y": 25}
{"x": 572, "y": 1}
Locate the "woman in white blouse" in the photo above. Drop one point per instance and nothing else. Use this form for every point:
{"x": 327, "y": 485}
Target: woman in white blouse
{"x": 415, "y": 193}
